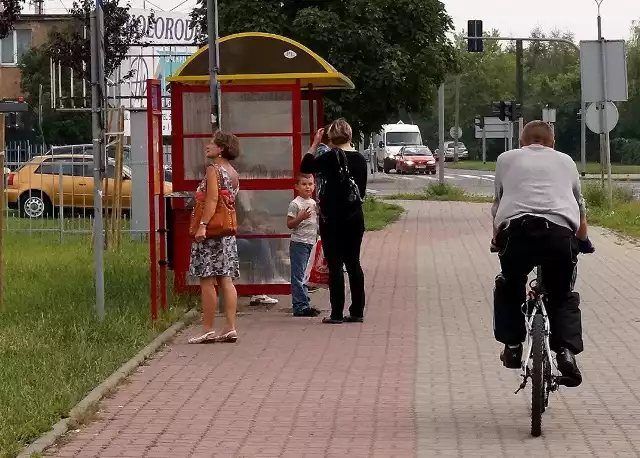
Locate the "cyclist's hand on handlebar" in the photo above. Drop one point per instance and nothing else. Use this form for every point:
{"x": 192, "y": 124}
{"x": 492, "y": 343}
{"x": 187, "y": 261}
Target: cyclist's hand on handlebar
{"x": 585, "y": 246}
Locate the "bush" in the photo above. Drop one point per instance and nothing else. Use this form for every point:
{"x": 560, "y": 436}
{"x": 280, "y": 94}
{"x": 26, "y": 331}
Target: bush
{"x": 444, "y": 192}
{"x": 596, "y": 196}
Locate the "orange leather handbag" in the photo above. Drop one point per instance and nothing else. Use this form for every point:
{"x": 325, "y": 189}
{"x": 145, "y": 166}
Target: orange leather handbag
{"x": 223, "y": 223}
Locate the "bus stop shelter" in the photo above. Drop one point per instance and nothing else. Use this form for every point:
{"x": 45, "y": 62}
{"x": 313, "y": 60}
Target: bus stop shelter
{"x": 272, "y": 100}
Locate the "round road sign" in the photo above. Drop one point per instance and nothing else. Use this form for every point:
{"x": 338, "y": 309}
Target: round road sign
{"x": 452, "y": 132}
{"x": 593, "y": 118}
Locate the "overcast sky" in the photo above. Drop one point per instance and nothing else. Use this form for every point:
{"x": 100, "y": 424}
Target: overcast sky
{"x": 511, "y": 17}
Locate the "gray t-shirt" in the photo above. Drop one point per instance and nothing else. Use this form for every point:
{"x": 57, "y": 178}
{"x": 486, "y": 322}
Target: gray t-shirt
{"x": 540, "y": 181}
{"x": 307, "y": 230}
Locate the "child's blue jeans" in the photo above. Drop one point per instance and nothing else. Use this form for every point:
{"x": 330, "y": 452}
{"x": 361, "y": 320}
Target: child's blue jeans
{"x": 299, "y": 254}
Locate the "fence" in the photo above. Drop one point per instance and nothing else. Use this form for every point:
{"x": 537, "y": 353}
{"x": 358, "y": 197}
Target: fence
{"x": 51, "y": 189}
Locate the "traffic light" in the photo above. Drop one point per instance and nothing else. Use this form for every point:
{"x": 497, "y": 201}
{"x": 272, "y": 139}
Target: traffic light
{"x": 499, "y": 109}
{"x": 507, "y": 110}
{"x": 474, "y": 32}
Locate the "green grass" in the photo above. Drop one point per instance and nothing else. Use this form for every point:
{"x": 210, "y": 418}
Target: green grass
{"x": 441, "y": 192}
{"x": 53, "y": 351}
{"x": 379, "y": 214}
{"x": 622, "y": 217}
{"x": 592, "y": 167}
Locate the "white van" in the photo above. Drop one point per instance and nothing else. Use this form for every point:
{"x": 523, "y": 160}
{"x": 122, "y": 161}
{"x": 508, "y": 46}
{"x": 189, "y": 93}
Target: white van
{"x": 391, "y": 139}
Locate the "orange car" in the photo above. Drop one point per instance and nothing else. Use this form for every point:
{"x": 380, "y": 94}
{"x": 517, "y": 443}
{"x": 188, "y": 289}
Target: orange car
{"x": 36, "y": 188}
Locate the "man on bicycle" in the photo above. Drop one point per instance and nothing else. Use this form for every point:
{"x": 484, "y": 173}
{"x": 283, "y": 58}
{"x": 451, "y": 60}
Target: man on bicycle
{"x": 539, "y": 219}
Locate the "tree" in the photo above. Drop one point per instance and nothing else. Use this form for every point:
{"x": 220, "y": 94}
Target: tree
{"x": 58, "y": 128}
{"x": 9, "y": 12}
{"x": 395, "y": 51}
{"x": 72, "y": 47}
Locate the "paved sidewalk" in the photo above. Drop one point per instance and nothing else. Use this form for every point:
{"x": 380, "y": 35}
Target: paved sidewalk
{"x": 420, "y": 377}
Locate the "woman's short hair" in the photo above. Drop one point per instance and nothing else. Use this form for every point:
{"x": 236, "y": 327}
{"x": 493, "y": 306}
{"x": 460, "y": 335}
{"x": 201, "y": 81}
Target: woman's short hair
{"x": 229, "y": 143}
{"x": 339, "y": 132}
{"x": 538, "y": 133}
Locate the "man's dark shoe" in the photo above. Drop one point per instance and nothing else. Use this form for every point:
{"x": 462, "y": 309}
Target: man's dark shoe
{"x": 511, "y": 357}
{"x": 353, "y": 319}
{"x": 308, "y": 312}
{"x": 329, "y": 320}
{"x": 568, "y": 367}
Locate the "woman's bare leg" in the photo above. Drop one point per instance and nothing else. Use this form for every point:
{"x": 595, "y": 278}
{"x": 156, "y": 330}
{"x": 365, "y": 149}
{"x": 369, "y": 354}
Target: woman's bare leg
{"x": 230, "y": 300}
{"x": 209, "y": 301}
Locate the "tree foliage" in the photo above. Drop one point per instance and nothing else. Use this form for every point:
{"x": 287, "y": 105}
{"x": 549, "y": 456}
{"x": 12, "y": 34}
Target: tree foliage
{"x": 9, "y": 12}
{"x": 72, "y": 47}
{"x": 551, "y": 76}
{"x": 58, "y": 128}
{"x": 395, "y": 51}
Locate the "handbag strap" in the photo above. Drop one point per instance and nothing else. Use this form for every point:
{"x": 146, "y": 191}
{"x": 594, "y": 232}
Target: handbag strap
{"x": 220, "y": 177}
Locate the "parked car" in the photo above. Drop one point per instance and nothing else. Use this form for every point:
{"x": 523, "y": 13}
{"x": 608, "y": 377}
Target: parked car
{"x": 415, "y": 159}
{"x": 34, "y": 189}
{"x": 449, "y": 151}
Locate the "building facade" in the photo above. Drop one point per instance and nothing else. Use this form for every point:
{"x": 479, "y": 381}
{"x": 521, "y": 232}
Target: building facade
{"x": 29, "y": 30}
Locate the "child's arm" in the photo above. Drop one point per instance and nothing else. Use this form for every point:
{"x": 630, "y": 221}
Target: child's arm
{"x": 295, "y": 216}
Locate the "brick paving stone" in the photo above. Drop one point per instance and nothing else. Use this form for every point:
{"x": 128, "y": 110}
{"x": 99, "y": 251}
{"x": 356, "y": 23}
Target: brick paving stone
{"x": 421, "y": 377}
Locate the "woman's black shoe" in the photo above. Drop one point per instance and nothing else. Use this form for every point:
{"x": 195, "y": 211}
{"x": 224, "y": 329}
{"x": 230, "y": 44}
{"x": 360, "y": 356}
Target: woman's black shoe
{"x": 308, "y": 312}
{"x": 330, "y": 320}
{"x": 353, "y": 319}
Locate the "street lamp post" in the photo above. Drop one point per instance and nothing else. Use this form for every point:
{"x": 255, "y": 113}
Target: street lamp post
{"x": 605, "y": 153}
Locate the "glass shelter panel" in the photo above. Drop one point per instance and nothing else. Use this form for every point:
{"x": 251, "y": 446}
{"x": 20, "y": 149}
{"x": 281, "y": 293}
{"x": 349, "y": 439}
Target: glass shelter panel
{"x": 194, "y": 160}
{"x": 257, "y": 112}
{"x": 306, "y": 125}
{"x": 264, "y": 157}
{"x": 263, "y": 212}
{"x": 262, "y": 262}
{"x": 196, "y": 112}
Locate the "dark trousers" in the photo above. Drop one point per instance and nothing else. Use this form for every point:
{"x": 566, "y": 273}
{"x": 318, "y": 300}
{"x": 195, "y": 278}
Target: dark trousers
{"x": 341, "y": 243}
{"x": 526, "y": 243}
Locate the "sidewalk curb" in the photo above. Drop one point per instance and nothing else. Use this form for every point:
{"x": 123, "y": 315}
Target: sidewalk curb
{"x": 59, "y": 429}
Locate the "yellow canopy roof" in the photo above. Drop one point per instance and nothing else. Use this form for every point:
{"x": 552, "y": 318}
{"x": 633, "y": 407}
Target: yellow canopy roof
{"x": 262, "y": 58}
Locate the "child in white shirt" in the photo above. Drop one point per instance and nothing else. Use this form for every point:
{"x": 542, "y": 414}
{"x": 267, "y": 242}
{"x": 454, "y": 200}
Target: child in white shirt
{"x": 302, "y": 220}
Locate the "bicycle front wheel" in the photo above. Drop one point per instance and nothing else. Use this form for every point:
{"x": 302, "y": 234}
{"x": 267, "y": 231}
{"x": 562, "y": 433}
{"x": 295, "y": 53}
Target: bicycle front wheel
{"x": 537, "y": 375}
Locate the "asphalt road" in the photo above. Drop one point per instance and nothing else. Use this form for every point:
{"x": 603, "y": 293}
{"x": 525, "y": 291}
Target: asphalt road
{"x": 472, "y": 181}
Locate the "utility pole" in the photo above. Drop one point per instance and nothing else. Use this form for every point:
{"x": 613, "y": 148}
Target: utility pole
{"x": 519, "y": 84}
{"x": 605, "y": 153}
{"x": 97, "y": 117}
{"x": 2, "y": 156}
{"x": 214, "y": 62}
{"x": 457, "y": 120}
{"x": 441, "y": 132}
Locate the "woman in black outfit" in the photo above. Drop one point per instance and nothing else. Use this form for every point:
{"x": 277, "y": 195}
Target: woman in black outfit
{"x": 341, "y": 217}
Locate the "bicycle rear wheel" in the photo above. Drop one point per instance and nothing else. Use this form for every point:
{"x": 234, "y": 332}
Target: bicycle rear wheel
{"x": 538, "y": 391}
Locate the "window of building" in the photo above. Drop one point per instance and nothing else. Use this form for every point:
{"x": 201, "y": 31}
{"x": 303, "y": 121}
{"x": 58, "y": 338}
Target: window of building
{"x": 14, "y": 46}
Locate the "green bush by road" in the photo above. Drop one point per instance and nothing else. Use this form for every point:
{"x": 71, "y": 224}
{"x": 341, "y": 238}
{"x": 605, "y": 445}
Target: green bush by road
{"x": 592, "y": 167}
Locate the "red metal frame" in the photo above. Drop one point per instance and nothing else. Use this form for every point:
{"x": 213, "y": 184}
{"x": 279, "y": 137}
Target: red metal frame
{"x": 156, "y": 169}
{"x": 182, "y": 243}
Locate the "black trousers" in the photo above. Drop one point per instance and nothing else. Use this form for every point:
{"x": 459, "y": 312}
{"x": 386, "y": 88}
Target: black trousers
{"x": 341, "y": 242}
{"x": 526, "y": 243}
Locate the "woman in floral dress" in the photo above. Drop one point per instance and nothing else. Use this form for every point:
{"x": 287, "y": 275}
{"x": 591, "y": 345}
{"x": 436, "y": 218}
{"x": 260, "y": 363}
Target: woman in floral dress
{"x": 215, "y": 260}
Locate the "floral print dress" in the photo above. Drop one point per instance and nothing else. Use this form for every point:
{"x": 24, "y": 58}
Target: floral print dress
{"x": 216, "y": 257}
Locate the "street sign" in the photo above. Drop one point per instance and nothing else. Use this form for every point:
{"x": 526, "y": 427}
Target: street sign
{"x": 549, "y": 115}
{"x": 493, "y": 128}
{"x": 594, "y": 119}
{"x": 592, "y": 74}
{"x": 452, "y": 132}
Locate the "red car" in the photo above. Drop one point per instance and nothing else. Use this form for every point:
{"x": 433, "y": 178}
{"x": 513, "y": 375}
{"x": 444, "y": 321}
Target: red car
{"x": 415, "y": 159}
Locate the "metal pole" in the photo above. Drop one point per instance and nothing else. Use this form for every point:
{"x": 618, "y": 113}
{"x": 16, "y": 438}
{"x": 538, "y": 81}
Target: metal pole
{"x": 519, "y": 84}
{"x": 441, "y": 132}
{"x": 583, "y": 137}
{"x": 520, "y": 129}
{"x": 2, "y": 209}
{"x": 604, "y": 120}
{"x": 484, "y": 142}
{"x": 510, "y": 135}
{"x": 97, "y": 60}
{"x": 602, "y": 111}
{"x": 457, "y": 119}
{"x": 212, "y": 10}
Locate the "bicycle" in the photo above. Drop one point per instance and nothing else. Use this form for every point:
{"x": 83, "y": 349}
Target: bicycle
{"x": 538, "y": 364}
